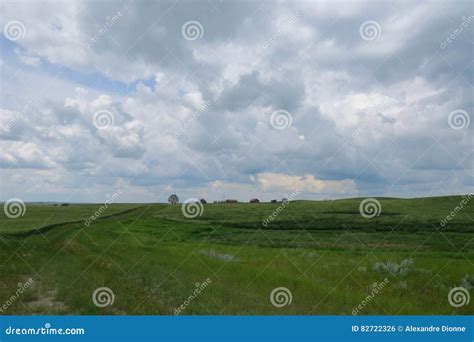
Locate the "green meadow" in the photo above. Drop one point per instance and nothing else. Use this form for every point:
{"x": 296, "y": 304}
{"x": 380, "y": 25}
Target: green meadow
{"x": 325, "y": 253}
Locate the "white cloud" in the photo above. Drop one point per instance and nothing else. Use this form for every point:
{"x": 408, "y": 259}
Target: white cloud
{"x": 305, "y": 183}
{"x": 17, "y": 154}
{"x": 28, "y": 58}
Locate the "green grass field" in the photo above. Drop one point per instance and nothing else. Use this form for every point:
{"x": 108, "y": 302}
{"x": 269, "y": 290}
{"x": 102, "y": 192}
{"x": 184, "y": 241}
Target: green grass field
{"x": 41, "y": 216}
{"x": 325, "y": 253}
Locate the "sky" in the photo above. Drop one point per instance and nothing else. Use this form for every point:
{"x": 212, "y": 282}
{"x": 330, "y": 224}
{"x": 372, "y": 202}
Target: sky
{"x": 235, "y": 99}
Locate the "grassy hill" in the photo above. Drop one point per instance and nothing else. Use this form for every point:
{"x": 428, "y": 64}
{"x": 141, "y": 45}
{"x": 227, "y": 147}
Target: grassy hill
{"x": 401, "y": 214}
{"x": 37, "y": 216}
{"x": 325, "y": 253}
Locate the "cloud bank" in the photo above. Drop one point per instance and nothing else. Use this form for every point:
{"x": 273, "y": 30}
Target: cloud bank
{"x": 236, "y": 99}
